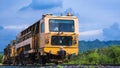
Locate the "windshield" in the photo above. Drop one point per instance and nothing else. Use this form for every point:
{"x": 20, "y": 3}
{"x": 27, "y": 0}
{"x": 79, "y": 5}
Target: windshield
{"x": 57, "y": 25}
{"x": 61, "y": 40}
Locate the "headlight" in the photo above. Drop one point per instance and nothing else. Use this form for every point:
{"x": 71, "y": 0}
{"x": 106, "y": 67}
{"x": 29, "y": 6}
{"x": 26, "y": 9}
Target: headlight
{"x": 48, "y": 36}
{"x": 47, "y": 41}
{"x": 74, "y": 41}
{"x": 75, "y": 37}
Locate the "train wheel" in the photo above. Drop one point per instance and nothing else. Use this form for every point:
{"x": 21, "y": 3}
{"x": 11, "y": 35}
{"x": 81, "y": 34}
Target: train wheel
{"x": 56, "y": 63}
{"x": 44, "y": 60}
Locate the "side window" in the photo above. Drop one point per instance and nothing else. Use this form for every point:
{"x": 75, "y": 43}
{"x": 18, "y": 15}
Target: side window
{"x": 42, "y": 27}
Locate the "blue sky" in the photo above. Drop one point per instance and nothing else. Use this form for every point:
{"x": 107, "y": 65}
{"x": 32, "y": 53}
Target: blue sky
{"x": 98, "y": 19}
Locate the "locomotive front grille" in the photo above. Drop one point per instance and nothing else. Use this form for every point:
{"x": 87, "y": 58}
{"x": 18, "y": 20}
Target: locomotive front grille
{"x": 61, "y": 40}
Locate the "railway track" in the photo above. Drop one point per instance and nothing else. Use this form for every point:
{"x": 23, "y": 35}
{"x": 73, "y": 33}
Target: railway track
{"x": 63, "y": 66}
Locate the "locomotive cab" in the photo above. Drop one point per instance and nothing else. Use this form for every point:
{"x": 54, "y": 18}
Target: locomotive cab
{"x": 59, "y": 32}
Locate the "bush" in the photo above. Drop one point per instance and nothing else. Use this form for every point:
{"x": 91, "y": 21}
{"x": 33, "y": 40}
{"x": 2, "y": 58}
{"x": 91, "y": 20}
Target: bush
{"x": 1, "y": 58}
{"x": 93, "y": 58}
{"x": 110, "y": 55}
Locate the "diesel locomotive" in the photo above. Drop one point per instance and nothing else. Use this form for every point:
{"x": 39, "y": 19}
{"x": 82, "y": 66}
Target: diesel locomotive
{"x": 50, "y": 39}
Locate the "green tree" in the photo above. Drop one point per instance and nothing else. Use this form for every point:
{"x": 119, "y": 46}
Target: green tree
{"x": 104, "y": 59}
{"x": 94, "y": 57}
{"x": 107, "y": 55}
{"x": 114, "y": 53}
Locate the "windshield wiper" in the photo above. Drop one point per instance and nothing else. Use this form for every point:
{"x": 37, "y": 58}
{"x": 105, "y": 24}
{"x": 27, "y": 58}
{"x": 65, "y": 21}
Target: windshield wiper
{"x": 60, "y": 29}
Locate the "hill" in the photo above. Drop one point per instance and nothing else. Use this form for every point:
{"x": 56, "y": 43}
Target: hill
{"x": 89, "y": 45}
{"x": 106, "y": 55}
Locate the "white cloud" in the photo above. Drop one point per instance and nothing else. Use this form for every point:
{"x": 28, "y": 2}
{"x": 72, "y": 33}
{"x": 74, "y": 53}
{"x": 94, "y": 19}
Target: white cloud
{"x": 15, "y": 27}
{"x": 91, "y": 35}
{"x": 91, "y": 32}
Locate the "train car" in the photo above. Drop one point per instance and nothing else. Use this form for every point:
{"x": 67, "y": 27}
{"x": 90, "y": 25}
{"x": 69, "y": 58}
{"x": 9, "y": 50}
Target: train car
{"x": 50, "y": 39}
{"x": 6, "y": 56}
{"x": 9, "y": 53}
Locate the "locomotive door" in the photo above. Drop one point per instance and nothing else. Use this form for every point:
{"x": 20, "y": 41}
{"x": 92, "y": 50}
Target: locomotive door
{"x": 42, "y": 30}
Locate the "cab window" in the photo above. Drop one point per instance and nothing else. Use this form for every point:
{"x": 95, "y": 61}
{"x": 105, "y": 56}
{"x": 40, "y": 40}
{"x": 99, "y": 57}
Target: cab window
{"x": 42, "y": 27}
